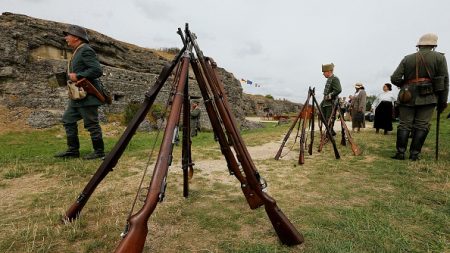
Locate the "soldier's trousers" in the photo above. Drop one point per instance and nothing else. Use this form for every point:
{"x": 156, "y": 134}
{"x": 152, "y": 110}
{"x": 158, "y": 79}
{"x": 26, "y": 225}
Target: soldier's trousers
{"x": 326, "y": 110}
{"x": 415, "y": 117}
{"x": 89, "y": 115}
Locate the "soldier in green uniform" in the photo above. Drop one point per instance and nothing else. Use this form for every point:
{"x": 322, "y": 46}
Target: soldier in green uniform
{"x": 83, "y": 64}
{"x": 331, "y": 91}
{"x": 423, "y": 81}
{"x": 195, "y": 118}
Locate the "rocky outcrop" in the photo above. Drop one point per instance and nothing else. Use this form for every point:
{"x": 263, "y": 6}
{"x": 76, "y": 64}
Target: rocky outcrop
{"x": 31, "y": 49}
{"x": 258, "y": 105}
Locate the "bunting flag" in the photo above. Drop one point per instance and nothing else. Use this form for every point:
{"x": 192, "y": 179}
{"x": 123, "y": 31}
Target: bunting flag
{"x": 249, "y": 82}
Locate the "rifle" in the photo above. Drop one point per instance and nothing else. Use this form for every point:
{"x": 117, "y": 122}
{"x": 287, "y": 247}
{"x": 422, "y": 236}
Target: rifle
{"x": 134, "y": 236}
{"x": 301, "y": 157}
{"x": 112, "y": 158}
{"x": 90, "y": 89}
{"x": 311, "y": 123}
{"x": 327, "y": 128}
{"x": 283, "y": 227}
{"x": 233, "y": 167}
{"x": 286, "y": 137}
{"x": 356, "y": 150}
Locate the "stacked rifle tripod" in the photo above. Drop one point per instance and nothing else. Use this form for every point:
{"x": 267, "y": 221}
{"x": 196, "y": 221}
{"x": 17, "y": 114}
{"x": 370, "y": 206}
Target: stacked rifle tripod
{"x": 232, "y": 146}
{"x": 306, "y": 118}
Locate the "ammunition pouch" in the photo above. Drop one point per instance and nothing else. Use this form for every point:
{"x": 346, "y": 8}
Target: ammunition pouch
{"x": 75, "y": 92}
{"x": 438, "y": 83}
{"x": 425, "y": 89}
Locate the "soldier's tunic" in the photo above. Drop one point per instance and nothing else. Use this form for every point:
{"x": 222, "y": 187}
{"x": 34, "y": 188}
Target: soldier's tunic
{"x": 416, "y": 113}
{"x": 195, "y": 121}
{"x": 332, "y": 89}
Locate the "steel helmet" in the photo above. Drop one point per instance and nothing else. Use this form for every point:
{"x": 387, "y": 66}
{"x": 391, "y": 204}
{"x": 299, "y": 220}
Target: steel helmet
{"x": 78, "y": 31}
{"x": 429, "y": 39}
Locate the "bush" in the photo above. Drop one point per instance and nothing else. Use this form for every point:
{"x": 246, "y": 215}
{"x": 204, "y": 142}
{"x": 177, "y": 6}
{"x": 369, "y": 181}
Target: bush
{"x": 157, "y": 112}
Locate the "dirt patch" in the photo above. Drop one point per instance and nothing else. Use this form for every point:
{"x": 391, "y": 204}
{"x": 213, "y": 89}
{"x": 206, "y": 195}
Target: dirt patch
{"x": 14, "y": 120}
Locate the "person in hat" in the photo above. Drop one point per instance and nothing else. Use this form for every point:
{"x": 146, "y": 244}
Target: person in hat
{"x": 195, "y": 118}
{"x": 332, "y": 90}
{"x": 82, "y": 64}
{"x": 358, "y": 107}
{"x": 423, "y": 81}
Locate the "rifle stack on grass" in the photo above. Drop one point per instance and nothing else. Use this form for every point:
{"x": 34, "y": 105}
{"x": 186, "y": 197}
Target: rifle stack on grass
{"x": 306, "y": 118}
{"x": 233, "y": 148}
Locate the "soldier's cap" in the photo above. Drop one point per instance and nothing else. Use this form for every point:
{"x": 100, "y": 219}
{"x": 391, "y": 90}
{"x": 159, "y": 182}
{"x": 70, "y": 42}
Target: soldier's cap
{"x": 77, "y": 31}
{"x": 327, "y": 67}
{"x": 359, "y": 85}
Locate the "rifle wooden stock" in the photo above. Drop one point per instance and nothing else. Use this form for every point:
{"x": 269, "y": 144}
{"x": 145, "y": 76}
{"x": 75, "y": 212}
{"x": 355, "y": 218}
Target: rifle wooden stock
{"x": 114, "y": 155}
{"x": 134, "y": 239}
{"x": 356, "y": 150}
{"x": 90, "y": 89}
{"x": 287, "y": 233}
{"x": 313, "y": 116}
{"x": 252, "y": 199}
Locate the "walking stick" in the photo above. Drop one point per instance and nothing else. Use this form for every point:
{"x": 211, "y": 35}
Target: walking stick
{"x": 438, "y": 119}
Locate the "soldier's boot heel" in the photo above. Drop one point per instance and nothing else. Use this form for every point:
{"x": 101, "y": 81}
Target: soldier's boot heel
{"x": 417, "y": 143}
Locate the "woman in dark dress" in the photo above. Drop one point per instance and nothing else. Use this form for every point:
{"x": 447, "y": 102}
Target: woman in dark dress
{"x": 383, "y": 108}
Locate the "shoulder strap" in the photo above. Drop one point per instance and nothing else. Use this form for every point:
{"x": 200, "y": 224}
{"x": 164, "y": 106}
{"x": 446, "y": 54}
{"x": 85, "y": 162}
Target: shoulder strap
{"x": 424, "y": 63}
{"x": 69, "y": 63}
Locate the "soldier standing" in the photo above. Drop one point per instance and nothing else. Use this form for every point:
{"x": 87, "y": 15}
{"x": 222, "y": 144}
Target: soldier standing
{"x": 332, "y": 90}
{"x": 195, "y": 118}
{"x": 423, "y": 79}
{"x": 83, "y": 64}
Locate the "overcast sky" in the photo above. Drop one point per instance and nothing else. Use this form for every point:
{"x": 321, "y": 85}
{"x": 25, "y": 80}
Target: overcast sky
{"x": 280, "y": 45}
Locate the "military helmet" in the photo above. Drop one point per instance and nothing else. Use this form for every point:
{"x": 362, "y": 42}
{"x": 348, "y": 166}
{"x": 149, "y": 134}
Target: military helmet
{"x": 429, "y": 39}
{"x": 77, "y": 31}
{"x": 327, "y": 67}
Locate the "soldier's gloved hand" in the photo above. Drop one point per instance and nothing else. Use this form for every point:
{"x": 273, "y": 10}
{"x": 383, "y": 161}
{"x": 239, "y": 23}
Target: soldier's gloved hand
{"x": 442, "y": 101}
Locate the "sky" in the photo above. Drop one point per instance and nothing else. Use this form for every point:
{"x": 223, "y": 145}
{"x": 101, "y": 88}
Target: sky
{"x": 279, "y": 45}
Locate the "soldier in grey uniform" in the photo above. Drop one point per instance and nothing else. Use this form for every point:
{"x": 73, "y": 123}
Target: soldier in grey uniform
{"x": 83, "y": 64}
{"x": 423, "y": 79}
{"x": 331, "y": 91}
{"x": 195, "y": 118}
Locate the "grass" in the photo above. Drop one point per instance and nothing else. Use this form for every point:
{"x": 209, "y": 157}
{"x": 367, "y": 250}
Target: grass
{"x": 367, "y": 203}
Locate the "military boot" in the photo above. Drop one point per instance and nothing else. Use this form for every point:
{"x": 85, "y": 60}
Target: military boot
{"x": 417, "y": 143}
{"x": 72, "y": 151}
{"x": 402, "y": 142}
{"x": 99, "y": 150}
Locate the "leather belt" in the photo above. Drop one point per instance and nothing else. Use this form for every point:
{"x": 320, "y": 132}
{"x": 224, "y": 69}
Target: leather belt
{"x": 418, "y": 80}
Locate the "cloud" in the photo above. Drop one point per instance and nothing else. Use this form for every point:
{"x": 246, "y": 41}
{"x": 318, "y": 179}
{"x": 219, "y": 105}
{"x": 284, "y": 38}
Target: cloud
{"x": 249, "y": 48}
{"x": 155, "y": 10}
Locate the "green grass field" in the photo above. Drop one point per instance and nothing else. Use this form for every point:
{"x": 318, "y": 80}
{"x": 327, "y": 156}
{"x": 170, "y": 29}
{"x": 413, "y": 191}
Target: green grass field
{"x": 367, "y": 203}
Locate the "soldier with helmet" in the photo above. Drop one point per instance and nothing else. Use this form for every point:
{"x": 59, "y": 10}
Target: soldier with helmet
{"x": 82, "y": 64}
{"x": 423, "y": 81}
{"x": 331, "y": 91}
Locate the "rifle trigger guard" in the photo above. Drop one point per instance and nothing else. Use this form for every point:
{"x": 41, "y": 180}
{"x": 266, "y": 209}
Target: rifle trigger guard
{"x": 142, "y": 194}
{"x": 263, "y": 184}
{"x": 125, "y": 231}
